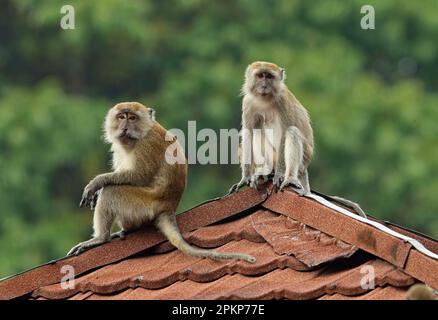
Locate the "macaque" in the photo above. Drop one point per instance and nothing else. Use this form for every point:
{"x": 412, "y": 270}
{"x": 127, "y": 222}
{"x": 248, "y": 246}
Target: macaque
{"x": 420, "y": 291}
{"x": 277, "y": 136}
{"x": 143, "y": 186}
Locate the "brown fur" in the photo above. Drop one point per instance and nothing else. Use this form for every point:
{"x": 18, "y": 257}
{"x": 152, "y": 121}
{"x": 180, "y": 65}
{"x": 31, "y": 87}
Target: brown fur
{"x": 143, "y": 187}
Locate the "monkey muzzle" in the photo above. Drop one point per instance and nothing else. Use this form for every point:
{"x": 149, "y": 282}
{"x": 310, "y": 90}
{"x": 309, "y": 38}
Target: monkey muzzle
{"x": 264, "y": 90}
{"x": 126, "y": 138}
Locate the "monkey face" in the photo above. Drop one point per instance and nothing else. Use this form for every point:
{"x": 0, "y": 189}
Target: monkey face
{"x": 264, "y": 83}
{"x": 127, "y": 127}
{"x": 128, "y": 122}
{"x": 263, "y": 79}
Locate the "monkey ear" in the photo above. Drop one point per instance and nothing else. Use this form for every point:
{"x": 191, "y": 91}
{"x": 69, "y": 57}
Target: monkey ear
{"x": 247, "y": 70}
{"x": 152, "y": 113}
{"x": 282, "y": 74}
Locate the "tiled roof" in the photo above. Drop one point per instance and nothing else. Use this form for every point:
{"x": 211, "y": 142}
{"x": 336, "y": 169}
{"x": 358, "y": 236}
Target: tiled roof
{"x": 303, "y": 250}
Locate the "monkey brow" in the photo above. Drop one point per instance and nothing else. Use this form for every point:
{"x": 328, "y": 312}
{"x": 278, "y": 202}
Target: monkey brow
{"x": 126, "y": 110}
{"x": 265, "y": 71}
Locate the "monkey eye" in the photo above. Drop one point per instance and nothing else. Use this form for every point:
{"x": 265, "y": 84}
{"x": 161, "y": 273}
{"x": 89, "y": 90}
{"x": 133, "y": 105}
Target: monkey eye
{"x": 132, "y": 117}
{"x": 259, "y": 75}
{"x": 121, "y": 116}
{"x": 269, "y": 76}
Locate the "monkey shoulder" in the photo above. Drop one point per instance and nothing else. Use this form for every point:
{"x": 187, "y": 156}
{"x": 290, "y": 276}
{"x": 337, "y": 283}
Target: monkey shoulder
{"x": 159, "y": 130}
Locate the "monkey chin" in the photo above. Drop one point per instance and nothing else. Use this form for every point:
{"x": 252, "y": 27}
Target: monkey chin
{"x": 127, "y": 140}
{"x": 265, "y": 94}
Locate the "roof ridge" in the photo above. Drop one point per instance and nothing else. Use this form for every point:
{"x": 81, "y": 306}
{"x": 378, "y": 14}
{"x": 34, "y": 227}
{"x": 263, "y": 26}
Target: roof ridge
{"x": 375, "y": 223}
{"x": 355, "y": 232}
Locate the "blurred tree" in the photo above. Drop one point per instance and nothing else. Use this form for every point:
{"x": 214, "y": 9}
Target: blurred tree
{"x": 371, "y": 95}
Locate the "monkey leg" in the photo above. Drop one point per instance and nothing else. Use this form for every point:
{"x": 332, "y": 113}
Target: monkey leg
{"x": 280, "y": 167}
{"x": 81, "y": 247}
{"x": 293, "y": 157}
{"x": 102, "y": 222}
{"x": 132, "y": 206}
{"x": 263, "y": 153}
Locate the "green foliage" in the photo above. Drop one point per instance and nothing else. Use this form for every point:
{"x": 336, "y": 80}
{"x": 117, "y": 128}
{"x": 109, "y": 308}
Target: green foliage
{"x": 371, "y": 95}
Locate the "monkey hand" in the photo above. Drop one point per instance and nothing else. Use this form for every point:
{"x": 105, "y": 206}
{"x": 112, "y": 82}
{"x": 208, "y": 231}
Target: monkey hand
{"x": 89, "y": 196}
{"x": 245, "y": 181}
{"x": 258, "y": 179}
{"x": 277, "y": 181}
{"x": 94, "y": 200}
{"x": 295, "y": 184}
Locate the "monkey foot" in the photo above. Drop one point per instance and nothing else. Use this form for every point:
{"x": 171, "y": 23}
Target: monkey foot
{"x": 295, "y": 184}
{"x": 258, "y": 179}
{"x": 234, "y": 188}
{"x": 237, "y": 186}
{"x": 277, "y": 180}
{"x": 120, "y": 234}
{"x": 81, "y": 247}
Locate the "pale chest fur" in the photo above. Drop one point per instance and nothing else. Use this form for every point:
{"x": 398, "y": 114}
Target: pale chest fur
{"x": 271, "y": 123}
{"x": 122, "y": 160}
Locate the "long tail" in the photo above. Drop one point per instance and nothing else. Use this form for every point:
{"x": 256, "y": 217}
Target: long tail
{"x": 166, "y": 223}
{"x": 351, "y": 204}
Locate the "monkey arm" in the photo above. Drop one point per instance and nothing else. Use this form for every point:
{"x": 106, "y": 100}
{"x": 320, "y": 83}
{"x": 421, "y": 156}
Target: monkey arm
{"x": 246, "y": 152}
{"x": 111, "y": 178}
{"x": 121, "y": 177}
{"x": 245, "y": 161}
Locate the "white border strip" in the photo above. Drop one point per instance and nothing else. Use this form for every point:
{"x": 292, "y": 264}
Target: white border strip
{"x": 416, "y": 244}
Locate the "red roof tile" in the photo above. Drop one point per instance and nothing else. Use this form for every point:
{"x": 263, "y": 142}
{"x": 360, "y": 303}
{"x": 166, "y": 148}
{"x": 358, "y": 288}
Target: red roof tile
{"x": 303, "y": 250}
{"x": 291, "y": 237}
{"x": 278, "y": 284}
{"x": 366, "y": 237}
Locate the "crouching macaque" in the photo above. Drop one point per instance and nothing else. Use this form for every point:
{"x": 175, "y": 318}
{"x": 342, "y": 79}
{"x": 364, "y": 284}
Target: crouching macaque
{"x": 143, "y": 187}
{"x": 277, "y": 137}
